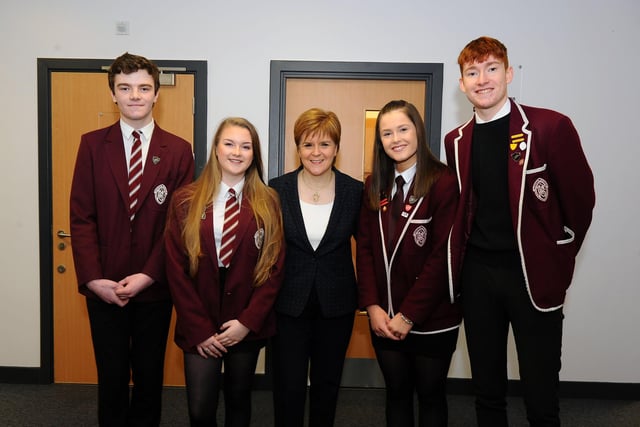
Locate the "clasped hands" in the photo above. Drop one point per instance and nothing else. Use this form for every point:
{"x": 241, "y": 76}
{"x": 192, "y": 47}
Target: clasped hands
{"x": 121, "y": 292}
{"x": 385, "y": 327}
{"x": 232, "y": 332}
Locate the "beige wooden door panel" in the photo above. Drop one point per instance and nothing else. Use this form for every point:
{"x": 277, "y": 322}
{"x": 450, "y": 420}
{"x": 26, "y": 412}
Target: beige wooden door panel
{"x": 351, "y": 100}
{"x": 81, "y": 102}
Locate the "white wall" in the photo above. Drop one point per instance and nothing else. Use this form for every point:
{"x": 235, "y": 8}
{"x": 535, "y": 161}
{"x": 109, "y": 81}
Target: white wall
{"x": 579, "y": 57}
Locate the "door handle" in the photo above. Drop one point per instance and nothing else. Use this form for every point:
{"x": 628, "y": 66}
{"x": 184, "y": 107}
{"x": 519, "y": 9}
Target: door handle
{"x": 62, "y": 234}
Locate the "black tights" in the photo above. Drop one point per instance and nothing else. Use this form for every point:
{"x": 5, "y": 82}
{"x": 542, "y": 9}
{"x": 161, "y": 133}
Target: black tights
{"x": 405, "y": 372}
{"x": 204, "y": 381}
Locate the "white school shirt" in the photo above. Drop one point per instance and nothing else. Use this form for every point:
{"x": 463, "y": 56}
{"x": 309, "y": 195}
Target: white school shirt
{"x": 145, "y": 132}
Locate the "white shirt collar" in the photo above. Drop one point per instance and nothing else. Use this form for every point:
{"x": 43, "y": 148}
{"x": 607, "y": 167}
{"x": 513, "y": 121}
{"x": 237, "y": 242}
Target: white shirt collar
{"x": 506, "y": 109}
{"x": 145, "y": 131}
{"x": 408, "y": 174}
{"x": 224, "y": 190}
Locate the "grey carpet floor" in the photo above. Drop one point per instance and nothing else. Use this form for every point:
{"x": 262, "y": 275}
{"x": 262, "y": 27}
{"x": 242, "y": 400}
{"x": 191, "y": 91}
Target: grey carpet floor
{"x": 74, "y": 405}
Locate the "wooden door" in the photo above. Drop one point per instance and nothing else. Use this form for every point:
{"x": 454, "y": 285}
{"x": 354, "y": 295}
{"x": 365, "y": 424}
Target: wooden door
{"x": 356, "y": 103}
{"x": 81, "y": 102}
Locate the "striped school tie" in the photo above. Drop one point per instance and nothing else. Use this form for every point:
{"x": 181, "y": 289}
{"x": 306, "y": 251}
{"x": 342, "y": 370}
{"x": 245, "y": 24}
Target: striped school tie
{"x": 231, "y": 218}
{"x": 135, "y": 174}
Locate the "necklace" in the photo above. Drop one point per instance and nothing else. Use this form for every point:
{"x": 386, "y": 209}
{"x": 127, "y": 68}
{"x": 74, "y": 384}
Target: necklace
{"x": 316, "y": 191}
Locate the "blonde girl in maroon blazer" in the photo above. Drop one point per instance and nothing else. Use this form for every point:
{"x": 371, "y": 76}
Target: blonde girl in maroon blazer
{"x": 402, "y": 267}
{"x": 224, "y": 314}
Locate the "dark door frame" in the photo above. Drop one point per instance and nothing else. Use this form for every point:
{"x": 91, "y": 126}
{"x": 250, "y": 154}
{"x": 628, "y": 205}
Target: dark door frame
{"x": 430, "y": 73}
{"x": 46, "y": 66}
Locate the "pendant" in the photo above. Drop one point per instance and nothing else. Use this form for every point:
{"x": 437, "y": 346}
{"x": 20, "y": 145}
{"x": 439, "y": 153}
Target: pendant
{"x": 316, "y": 197}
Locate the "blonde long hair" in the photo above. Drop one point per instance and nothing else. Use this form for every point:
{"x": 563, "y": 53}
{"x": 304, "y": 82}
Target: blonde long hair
{"x": 264, "y": 203}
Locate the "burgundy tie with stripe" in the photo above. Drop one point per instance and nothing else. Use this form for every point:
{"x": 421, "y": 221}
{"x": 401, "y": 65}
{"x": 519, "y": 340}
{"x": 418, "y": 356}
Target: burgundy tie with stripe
{"x": 231, "y": 218}
{"x": 135, "y": 174}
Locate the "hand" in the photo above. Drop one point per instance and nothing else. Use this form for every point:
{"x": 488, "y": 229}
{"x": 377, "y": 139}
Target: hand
{"x": 398, "y": 327}
{"x": 380, "y": 322}
{"x": 233, "y": 333}
{"x": 105, "y": 289}
{"x": 211, "y": 347}
{"x": 132, "y": 285}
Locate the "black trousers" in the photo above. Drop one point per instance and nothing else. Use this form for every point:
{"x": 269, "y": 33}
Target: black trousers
{"x": 129, "y": 344}
{"x": 310, "y": 346}
{"x": 494, "y": 296}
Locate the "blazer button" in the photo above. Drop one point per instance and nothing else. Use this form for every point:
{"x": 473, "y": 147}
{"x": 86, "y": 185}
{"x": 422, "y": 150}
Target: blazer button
{"x": 228, "y": 293}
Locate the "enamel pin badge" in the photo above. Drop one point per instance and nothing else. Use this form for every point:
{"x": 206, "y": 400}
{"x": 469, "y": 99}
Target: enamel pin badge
{"x": 517, "y": 145}
{"x": 384, "y": 201}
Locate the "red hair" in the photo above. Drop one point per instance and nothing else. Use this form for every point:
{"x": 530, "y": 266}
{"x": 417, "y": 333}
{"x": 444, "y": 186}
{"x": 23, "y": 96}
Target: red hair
{"x": 480, "y": 49}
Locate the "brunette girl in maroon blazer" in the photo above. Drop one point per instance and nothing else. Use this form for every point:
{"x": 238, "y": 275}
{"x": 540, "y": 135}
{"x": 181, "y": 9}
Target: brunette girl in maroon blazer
{"x": 402, "y": 266}
{"x": 224, "y": 308}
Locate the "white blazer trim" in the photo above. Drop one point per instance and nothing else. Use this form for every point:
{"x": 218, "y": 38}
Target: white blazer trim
{"x": 389, "y": 262}
{"x": 570, "y": 239}
{"x": 537, "y": 170}
{"x": 526, "y": 131}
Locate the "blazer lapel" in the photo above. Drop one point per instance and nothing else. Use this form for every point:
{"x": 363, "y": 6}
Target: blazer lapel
{"x": 401, "y": 228}
{"x": 246, "y": 218}
{"x": 463, "y": 156}
{"x": 207, "y": 237}
{"x": 408, "y": 211}
{"x": 334, "y": 216}
{"x": 519, "y": 149}
{"x": 114, "y": 147}
{"x": 153, "y": 163}
{"x": 293, "y": 203}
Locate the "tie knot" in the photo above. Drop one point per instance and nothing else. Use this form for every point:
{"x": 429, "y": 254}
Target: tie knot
{"x": 399, "y": 182}
{"x": 232, "y": 193}
{"x": 135, "y": 134}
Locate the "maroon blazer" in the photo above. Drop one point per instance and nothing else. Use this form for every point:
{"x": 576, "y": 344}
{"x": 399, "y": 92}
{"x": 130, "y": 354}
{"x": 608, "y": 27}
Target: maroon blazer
{"x": 201, "y": 306}
{"x": 551, "y": 194}
{"x": 105, "y": 243}
{"x": 414, "y": 274}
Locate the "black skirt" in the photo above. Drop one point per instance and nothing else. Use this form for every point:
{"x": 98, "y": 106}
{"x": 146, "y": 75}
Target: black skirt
{"x": 440, "y": 345}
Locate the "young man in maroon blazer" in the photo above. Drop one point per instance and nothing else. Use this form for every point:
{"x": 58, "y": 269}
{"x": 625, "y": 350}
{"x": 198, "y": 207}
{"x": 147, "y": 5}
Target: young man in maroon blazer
{"x": 119, "y": 201}
{"x": 526, "y": 200}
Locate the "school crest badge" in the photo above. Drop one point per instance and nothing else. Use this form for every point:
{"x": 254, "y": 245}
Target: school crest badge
{"x": 420, "y": 235}
{"x": 160, "y": 193}
{"x": 258, "y": 238}
{"x": 541, "y": 189}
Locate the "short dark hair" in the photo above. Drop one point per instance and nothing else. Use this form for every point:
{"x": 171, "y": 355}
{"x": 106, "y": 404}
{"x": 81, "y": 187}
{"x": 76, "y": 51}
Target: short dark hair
{"x": 128, "y": 63}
